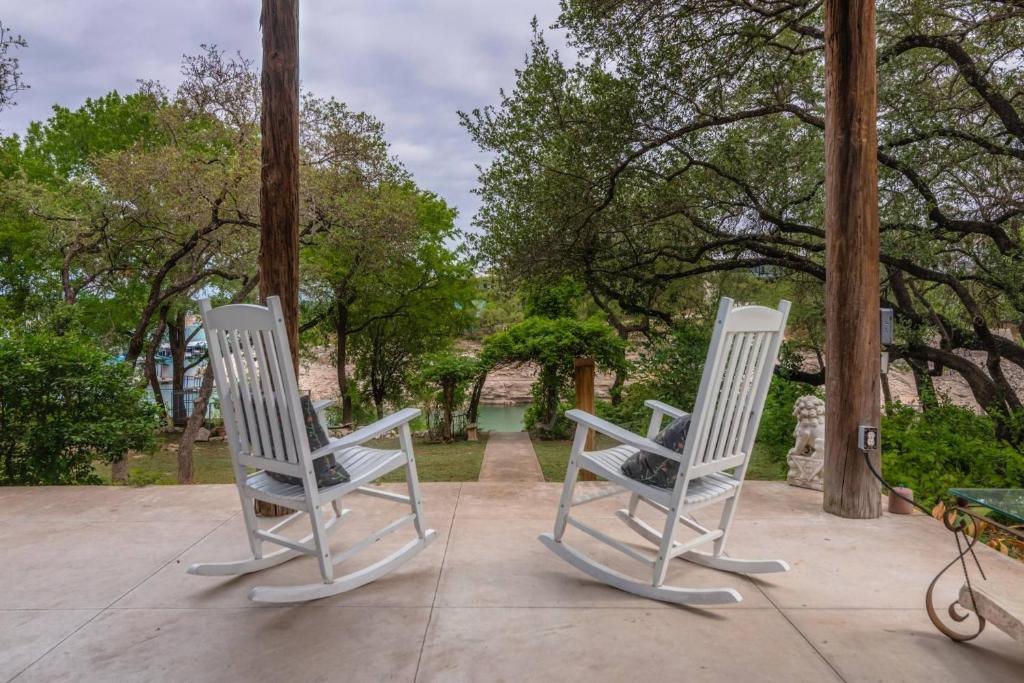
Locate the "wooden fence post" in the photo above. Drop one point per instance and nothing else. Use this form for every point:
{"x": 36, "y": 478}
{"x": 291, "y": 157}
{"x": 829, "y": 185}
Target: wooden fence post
{"x": 852, "y": 346}
{"x": 583, "y": 375}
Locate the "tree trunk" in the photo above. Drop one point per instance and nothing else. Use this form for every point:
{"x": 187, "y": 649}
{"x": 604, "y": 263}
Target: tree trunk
{"x": 150, "y": 363}
{"x": 341, "y": 354}
{"x": 924, "y": 384}
{"x": 886, "y": 390}
{"x": 549, "y": 400}
{"x": 186, "y": 446}
{"x": 852, "y": 347}
{"x": 447, "y": 399}
{"x": 279, "y": 173}
{"x": 474, "y": 399}
{"x": 178, "y": 343}
{"x": 583, "y": 371}
{"x": 119, "y": 471}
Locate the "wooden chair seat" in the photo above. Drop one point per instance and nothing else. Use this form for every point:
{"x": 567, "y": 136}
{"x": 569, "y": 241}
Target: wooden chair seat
{"x": 362, "y": 464}
{"x": 607, "y": 463}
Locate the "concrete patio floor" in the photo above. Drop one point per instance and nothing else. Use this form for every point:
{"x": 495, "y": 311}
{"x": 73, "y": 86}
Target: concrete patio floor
{"x": 93, "y": 588}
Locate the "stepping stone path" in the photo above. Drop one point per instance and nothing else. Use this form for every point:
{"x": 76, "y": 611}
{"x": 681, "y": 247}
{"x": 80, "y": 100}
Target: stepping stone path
{"x": 509, "y": 456}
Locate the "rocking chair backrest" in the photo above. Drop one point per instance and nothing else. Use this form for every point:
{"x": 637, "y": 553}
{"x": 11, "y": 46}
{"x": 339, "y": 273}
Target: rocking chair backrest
{"x": 252, "y": 365}
{"x": 737, "y": 373}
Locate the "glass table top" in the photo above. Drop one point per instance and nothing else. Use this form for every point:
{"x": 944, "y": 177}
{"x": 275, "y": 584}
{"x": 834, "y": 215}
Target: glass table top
{"x": 1009, "y": 502}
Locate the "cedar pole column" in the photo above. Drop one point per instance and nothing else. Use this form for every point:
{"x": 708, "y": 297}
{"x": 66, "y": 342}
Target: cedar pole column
{"x": 583, "y": 371}
{"x": 279, "y": 173}
{"x": 852, "y": 346}
{"x": 279, "y": 154}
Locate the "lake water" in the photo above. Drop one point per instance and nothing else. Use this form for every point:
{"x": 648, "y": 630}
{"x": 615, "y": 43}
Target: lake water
{"x": 501, "y": 418}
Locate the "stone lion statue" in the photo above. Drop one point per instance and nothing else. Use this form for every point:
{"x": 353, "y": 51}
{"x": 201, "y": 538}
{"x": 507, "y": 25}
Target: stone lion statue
{"x": 810, "y": 425}
{"x": 807, "y": 457}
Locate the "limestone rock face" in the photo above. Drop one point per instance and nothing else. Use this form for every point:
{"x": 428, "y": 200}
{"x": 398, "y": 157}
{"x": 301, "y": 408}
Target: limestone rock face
{"x": 807, "y": 457}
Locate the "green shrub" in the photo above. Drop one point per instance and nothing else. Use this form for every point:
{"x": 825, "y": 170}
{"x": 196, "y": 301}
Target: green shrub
{"x": 64, "y": 403}
{"x": 775, "y": 433}
{"x": 944, "y": 447}
{"x": 448, "y": 374}
{"x": 561, "y": 428}
{"x": 553, "y": 344}
{"x": 669, "y": 370}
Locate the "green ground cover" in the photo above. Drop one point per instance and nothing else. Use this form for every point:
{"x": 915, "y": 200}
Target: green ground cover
{"x": 458, "y": 461}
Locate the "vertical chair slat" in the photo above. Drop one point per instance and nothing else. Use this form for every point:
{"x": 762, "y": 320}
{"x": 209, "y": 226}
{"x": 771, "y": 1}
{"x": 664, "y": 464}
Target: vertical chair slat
{"x": 235, "y": 394}
{"x": 711, "y": 394}
{"x": 290, "y": 439}
{"x": 270, "y": 394}
{"x": 730, "y": 387}
{"x": 265, "y": 409}
{"x": 245, "y": 395}
{"x": 740, "y": 394}
{"x": 757, "y": 372}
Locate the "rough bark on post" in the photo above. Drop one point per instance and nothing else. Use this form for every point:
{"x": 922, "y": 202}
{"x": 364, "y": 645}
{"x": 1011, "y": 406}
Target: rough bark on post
{"x": 583, "y": 371}
{"x": 852, "y": 347}
{"x": 279, "y": 153}
{"x": 279, "y": 173}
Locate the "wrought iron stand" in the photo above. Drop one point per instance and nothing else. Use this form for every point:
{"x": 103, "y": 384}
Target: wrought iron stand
{"x": 958, "y": 519}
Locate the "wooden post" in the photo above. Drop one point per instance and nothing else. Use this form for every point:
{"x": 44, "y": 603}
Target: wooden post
{"x": 279, "y": 172}
{"x": 583, "y": 375}
{"x": 279, "y": 154}
{"x": 852, "y": 346}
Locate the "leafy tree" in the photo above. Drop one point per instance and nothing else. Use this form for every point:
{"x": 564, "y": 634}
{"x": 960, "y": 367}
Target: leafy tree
{"x": 10, "y": 71}
{"x": 688, "y": 142}
{"x": 64, "y": 405}
{"x": 378, "y": 276}
{"x": 449, "y": 374}
{"x": 553, "y": 344}
{"x": 139, "y": 201}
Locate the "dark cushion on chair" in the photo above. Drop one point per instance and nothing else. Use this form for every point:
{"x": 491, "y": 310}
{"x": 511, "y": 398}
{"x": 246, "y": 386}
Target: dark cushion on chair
{"x": 327, "y": 470}
{"x": 654, "y": 470}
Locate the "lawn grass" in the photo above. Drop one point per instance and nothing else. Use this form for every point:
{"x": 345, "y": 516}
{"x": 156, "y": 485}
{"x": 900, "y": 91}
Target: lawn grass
{"x": 554, "y": 457}
{"x": 458, "y": 461}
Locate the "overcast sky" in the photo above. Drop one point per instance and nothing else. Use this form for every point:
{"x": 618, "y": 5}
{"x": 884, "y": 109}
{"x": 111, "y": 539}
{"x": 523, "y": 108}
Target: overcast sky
{"x": 410, "y": 63}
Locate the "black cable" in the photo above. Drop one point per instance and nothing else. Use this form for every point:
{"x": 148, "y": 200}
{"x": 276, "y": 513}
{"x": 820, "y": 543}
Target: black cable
{"x": 961, "y": 551}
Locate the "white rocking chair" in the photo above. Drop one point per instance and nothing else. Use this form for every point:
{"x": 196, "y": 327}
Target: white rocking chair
{"x": 733, "y": 387}
{"x": 249, "y": 350}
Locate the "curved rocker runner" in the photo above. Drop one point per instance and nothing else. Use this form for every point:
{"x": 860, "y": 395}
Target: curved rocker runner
{"x": 266, "y": 431}
{"x": 737, "y": 373}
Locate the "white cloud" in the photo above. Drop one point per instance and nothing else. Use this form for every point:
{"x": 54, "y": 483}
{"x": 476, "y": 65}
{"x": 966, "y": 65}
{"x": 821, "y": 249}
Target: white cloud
{"x": 411, "y": 64}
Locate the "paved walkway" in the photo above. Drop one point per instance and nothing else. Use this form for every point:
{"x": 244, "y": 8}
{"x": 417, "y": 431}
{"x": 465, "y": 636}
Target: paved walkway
{"x": 93, "y": 588}
{"x": 509, "y": 456}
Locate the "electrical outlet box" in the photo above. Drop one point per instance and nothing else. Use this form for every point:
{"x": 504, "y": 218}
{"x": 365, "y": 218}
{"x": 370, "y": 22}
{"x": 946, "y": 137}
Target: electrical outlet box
{"x": 867, "y": 438}
{"x": 885, "y": 325}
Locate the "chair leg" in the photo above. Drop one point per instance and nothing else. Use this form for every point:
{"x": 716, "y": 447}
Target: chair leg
{"x": 724, "y": 522}
{"x": 251, "y": 525}
{"x": 412, "y": 480}
{"x": 571, "y": 473}
{"x": 634, "y": 502}
{"x": 665, "y": 548}
{"x": 323, "y": 549}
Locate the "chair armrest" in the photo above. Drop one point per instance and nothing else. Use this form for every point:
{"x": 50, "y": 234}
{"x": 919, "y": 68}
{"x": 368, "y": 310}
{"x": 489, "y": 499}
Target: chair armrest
{"x": 323, "y": 404}
{"x": 621, "y": 435}
{"x": 659, "y": 410}
{"x": 371, "y": 431}
{"x": 664, "y": 408}
{"x": 319, "y": 407}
